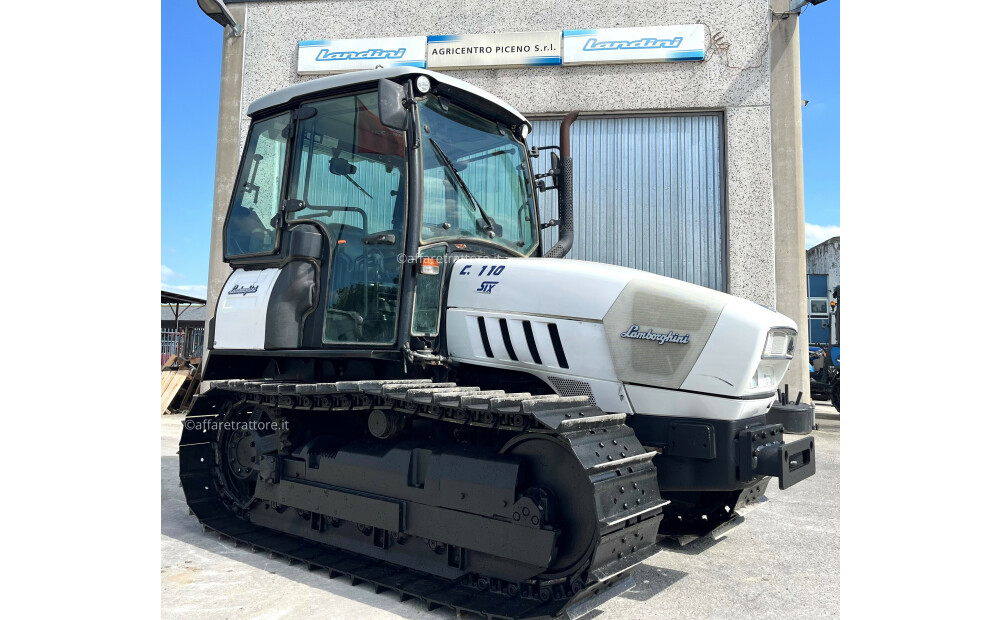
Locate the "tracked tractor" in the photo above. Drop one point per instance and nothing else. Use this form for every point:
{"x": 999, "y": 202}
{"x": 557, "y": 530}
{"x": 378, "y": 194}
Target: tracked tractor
{"x": 406, "y": 388}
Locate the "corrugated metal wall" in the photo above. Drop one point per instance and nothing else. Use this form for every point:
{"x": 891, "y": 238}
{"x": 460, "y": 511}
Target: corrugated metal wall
{"x": 648, "y": 193}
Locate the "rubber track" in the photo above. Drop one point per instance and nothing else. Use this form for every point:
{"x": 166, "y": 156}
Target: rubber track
{"x": 622, "y": 473}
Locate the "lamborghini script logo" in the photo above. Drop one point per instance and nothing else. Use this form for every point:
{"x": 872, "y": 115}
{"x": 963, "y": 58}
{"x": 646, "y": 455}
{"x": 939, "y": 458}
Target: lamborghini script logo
{"x": 635, "y": 332}
{"x": 242, "y": 290}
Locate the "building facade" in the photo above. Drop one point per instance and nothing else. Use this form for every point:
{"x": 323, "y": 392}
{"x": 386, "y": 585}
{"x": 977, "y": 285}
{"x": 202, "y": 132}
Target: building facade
{"x": 676, "y": 156}
{"x": 823, "y": 278}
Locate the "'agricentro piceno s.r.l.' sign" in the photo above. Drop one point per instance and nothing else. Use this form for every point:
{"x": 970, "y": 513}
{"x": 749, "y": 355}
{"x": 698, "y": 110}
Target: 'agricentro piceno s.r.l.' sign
{"x": 512, "y": 49}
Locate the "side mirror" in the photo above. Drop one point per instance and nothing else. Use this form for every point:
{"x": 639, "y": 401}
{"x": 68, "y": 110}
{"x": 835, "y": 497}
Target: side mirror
{"x": 391, "y": 110}
{"x": 556, "y": 169}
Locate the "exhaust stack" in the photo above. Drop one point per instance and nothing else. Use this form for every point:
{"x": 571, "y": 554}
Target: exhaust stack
{"x": 565, "y": 242}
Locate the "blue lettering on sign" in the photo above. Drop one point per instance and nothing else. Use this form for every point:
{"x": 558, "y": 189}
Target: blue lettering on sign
{"x": 465, "y": 270}
{"x": 486, "y": 287}
{"x": 326, "y": 54}
{"x": 592, "y": 45}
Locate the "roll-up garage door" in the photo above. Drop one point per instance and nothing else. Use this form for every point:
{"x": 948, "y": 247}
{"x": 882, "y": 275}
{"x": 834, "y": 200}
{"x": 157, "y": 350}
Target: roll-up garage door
{"x": 648, "y": 193}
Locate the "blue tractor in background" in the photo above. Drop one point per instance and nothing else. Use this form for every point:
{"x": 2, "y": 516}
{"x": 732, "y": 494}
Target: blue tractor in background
{"x": 824, "y": 373}
{"x": 824, "y": 363}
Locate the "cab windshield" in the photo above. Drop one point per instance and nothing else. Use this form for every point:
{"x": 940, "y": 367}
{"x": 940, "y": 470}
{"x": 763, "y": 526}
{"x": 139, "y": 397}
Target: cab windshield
{"x": 476, "y": 180}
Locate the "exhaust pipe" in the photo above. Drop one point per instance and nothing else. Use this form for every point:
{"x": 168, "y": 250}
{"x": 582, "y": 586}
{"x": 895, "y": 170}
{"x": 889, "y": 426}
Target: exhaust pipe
{"x": 565, "y": 242}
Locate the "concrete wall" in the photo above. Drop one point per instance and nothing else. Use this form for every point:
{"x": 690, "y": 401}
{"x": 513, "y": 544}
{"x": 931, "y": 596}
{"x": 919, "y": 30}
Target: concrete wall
{"x": 789, "y": 192}
{"x": 736, "y": 80}
{"x": 825, "y": 258}
{"x": 227, "y": 154}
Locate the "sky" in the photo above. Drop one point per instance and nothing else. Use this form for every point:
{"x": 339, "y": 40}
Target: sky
{"x": 190, "y": 66}
{"x": 819, "y": 52}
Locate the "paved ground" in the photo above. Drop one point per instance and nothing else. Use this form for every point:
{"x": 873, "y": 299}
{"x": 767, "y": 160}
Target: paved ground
{"x": 783, "y": 562}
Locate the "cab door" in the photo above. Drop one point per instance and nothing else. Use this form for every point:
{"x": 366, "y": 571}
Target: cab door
{"x": 349, "y": 178}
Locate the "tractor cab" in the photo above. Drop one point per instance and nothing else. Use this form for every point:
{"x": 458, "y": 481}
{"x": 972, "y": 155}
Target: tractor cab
{"x": 352, "y": 193}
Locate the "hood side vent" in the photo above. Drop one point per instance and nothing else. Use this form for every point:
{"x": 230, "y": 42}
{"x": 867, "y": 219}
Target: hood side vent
{"x": 557, "y": 345}
{"x": 505, "y": 334}
{"x": 571, "y": 387}
{"x": 486, "y": 338}
{"x": 530, "y": 337}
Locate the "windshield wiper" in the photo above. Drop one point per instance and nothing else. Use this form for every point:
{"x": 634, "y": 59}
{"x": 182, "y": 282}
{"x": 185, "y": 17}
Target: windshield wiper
{"x": 488, "y": 226}
{"x": 357, "y": 185}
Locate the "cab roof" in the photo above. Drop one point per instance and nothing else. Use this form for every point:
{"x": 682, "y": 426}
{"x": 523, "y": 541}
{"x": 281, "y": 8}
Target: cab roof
{"x": 457, "y": 90}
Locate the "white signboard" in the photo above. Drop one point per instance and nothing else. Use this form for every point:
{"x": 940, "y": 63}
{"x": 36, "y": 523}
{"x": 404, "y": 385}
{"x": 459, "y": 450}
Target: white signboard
{"x": 342, "y": 55}
{"x": 488, "y": 51}
{"x": 617, "y": 45}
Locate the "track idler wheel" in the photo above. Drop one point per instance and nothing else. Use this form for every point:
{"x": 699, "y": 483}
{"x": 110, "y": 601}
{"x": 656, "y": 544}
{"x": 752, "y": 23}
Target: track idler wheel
{"x": 245, "y": 437}
{"x": 558, "y": 485}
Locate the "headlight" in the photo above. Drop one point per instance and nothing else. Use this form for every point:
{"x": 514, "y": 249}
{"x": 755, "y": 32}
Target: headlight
{"x": 765, "y": 377}
{"x": 778, "y": 349}
{"x": 780, "y": 344}
{"x": 525, "y": 129}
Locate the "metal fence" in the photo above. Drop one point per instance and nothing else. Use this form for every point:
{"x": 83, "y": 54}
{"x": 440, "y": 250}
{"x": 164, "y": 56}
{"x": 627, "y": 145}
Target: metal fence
{"x": 186, "y": 342}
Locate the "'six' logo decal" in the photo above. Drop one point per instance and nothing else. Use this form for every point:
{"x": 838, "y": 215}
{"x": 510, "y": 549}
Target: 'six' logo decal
{"x": 486, "y": 287}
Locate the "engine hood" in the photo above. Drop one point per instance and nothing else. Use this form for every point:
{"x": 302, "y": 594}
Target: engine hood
{"x": 658, "y": 331}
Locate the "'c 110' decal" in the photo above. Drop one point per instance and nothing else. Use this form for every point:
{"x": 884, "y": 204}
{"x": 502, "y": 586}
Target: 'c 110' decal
{"x": 485, "y": 270}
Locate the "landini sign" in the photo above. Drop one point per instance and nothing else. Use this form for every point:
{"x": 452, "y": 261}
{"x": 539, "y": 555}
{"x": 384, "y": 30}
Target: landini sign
{"x": 511, "y": 49}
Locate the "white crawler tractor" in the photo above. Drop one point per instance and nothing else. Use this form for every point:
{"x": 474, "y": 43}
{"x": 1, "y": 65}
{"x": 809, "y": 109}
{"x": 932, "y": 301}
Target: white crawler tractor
{"x": 408, "y": 389}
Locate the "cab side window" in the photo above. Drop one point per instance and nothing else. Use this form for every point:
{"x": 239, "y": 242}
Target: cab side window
{"x": 250, "y": 228}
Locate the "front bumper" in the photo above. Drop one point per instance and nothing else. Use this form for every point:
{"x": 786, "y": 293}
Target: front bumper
{"x": 722, "y": 455}
{"x": 763, "y": 452}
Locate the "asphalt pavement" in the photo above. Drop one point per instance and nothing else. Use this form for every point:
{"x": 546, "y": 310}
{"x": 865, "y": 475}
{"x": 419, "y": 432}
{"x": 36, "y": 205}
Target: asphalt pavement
{"x": 782, "y": 562}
